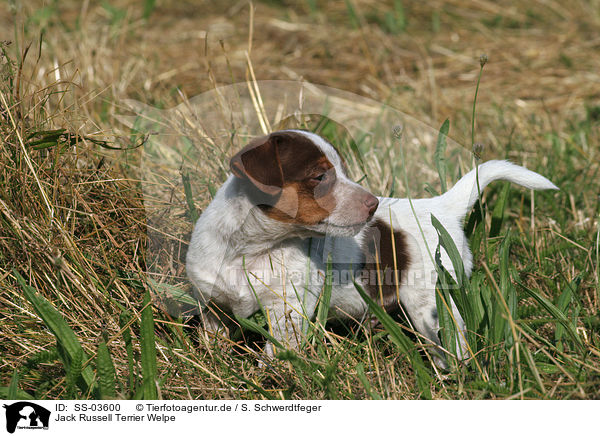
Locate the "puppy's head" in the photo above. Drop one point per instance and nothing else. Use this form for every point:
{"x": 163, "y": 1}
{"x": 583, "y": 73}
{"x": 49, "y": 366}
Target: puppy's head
{"x": 297, "y": 177}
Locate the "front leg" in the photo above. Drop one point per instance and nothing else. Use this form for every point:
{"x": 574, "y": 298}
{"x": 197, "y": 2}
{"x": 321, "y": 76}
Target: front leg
{"x": 421, "y": 307}
{"x": 286, "y": 327}
{"x": 215, "y": 322}
{"x": 288, "y": 318}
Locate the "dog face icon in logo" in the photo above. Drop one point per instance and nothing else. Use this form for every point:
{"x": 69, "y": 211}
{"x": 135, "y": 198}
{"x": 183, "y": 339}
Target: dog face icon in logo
{"x": 26, "y": 415}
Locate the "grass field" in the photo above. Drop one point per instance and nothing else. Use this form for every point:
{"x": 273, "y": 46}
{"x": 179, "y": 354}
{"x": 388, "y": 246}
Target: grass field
{"x": 76, "y": 317}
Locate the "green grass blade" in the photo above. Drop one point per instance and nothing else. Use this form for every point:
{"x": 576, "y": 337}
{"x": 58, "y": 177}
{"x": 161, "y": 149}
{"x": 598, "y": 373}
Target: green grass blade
{"x": 360, "y": 371}
{"x": 44, "y": 145}
{"x": 476, "y": 289}
{"x": 20, "y": 394}
{"x": 13, "y": 387}
{"x": 47, "y": 133}
{"x": 532, "y": 367}
{"x": 498, "y": 319}
{"x": 74, "y": 372}
{"x": 509, "y": 292}
{"x": 253, "y": 326}
{"x": 458, "y": 287}
{"x": 475, "y": 230}
{"x": 430, "y": 190}
{"x": 448, "y": 332}
{"x": 172, "y": 293}
{"x": 352, "y": 15}
{"x": 60, "y": 329}
{"x": 300, "y": 368}
{"x": 44, "y": 356}
{"x": 400, "y": 15}
{"x": 498, "y": 213}
{"x": 563, "y": 304}
{"x": 440, "y": 152}
{"x": 148, "y": 347}
{"x": 556, "y": 313}
{"x": 355, "y": 149}
{"x": 106, "y": 373}
{"x": 149, "y": 6}
{"x": 406, "y": 346}
{"x": 124, "y": 319}
{"x": 447, "y": 243}
{"x": 189, "y": 198}
{"x": 260, "y": 390}
{"x": 324, "y": 301}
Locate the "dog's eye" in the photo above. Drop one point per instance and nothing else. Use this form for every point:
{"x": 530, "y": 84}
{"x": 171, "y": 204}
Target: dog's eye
{"x": 319, "y": 178}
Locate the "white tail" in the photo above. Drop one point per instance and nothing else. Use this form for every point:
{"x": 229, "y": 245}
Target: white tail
{"x": 461, "y": 198}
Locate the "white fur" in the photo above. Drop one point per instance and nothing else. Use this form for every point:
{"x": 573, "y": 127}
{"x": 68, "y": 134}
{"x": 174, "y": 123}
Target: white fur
{"x": 238, "y": 256}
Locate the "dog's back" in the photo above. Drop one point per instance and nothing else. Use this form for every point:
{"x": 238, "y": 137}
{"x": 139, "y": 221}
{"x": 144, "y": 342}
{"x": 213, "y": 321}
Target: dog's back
{"x": 407, "y": 225}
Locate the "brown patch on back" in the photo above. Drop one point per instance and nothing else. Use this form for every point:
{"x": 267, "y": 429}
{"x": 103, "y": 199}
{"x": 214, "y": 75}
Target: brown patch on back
{"x": 382, "y": 281}
{"x": 281, "y": 165}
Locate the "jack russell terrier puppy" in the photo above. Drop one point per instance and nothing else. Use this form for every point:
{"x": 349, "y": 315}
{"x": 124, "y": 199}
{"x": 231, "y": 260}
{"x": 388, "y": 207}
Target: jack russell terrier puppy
{"x": 288, "y": 206}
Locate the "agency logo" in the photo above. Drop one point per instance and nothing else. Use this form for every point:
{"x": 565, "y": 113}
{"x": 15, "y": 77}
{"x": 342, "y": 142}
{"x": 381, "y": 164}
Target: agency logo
{"x": 26, "y": 415}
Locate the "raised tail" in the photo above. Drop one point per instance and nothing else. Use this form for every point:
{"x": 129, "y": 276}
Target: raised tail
{"x": 461, "y": 198}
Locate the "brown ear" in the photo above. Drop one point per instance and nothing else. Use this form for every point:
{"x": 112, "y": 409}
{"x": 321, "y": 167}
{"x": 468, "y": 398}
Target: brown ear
{"x": 259, "y": 163}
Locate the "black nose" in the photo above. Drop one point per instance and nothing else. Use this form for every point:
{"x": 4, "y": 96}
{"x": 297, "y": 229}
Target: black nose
{"x": 371, "y": 203}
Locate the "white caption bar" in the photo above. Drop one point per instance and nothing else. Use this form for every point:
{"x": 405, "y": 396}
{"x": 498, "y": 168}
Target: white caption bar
{"x": 90, "y": 418}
